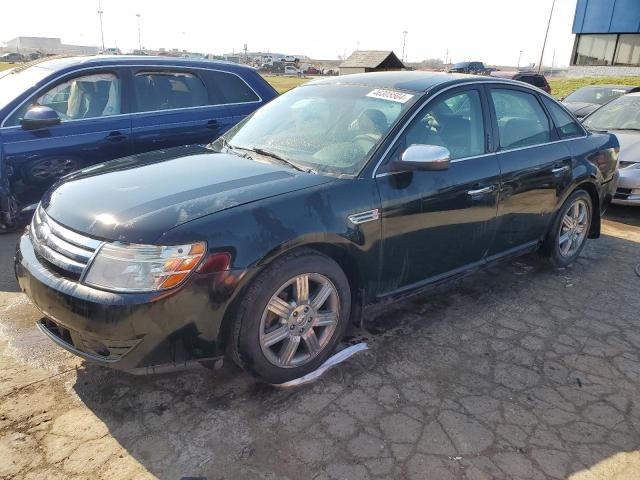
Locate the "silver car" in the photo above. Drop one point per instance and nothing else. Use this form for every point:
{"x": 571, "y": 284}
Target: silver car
{"x": 622, "y": 117}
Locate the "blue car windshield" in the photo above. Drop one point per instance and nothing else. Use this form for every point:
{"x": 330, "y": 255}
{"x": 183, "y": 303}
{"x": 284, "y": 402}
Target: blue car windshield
{"x": 327, "y": 128}
{"x": 15, "y": 83}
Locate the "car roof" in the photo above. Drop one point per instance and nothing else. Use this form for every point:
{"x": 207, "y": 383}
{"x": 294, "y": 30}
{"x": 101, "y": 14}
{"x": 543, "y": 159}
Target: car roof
{"x": 621, "y": 87}
{"x": 64, "y": 63}
{"x": 416, "y": 81}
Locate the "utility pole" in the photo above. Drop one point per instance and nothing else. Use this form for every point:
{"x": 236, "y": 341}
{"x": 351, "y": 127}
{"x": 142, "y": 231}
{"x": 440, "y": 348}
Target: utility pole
{"x": 100, "y": 12}
{"x": 139, "y": 37}
{"x": 519, "y": 57}
{"x": 553, "y": 62}
{"x": 544, "y": 44}
{"x": 404, "y": 42}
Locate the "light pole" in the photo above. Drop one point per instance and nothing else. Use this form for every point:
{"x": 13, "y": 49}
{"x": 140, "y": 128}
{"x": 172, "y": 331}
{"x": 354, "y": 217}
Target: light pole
{"x": 404, "y": 42}
{"x": 544, "y": 44}
{"x": 519, "y": 57}
{"x": 100, "y": 12}
{"x": 139, "y": 37}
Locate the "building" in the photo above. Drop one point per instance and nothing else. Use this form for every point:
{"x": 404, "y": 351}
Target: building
{"x": 362, "y": 61}
{"x": 46, "y": 45}
{"x": 607, "y": 38}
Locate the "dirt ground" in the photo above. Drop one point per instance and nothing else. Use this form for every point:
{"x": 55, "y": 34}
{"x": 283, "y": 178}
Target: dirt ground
{"x": 516, "y": 372}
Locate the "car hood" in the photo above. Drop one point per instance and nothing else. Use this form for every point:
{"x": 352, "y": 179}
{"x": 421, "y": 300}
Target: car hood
{"x": 581, "y": 109}
{"x": 136, "y": 199}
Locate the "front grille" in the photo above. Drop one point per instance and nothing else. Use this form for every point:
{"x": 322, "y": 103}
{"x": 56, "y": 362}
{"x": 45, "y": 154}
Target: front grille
{"x": 626, "y": 191}
{"x": 67, "y": 251}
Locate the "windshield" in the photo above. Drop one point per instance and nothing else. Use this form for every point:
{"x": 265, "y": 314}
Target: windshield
{"x": 13, "y": 84}
{"x": 598, "y": 95}
{"x": 621, "y": 114}
{"x": 461, "y": 65}
{"x": 326, "y": 128}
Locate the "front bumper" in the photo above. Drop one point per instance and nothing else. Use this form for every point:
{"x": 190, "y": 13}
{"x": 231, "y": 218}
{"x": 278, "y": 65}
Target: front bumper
{"x": 137, "y": 332}
{"x": 628, "y": 191}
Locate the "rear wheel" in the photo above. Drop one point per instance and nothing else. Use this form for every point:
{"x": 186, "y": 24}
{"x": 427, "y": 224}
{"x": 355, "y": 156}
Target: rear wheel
{"x": 292, "y": 317}
{"x": 569, "y": 232}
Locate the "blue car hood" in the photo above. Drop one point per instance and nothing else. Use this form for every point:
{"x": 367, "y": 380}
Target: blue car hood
{"x": 136, "y": 199}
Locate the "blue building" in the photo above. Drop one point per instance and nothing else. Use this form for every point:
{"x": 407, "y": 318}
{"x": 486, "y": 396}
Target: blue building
{"x": 607, "y": 37}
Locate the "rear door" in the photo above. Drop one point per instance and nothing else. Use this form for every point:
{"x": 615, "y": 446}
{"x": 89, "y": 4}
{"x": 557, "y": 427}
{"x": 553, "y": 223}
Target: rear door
{"x": 174, "y": 106}
{"x": 535, "y": 166}
{"x": 95, "y": 127}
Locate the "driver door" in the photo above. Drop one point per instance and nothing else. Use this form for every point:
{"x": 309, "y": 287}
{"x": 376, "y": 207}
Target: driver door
{"x": 438, "y": 223}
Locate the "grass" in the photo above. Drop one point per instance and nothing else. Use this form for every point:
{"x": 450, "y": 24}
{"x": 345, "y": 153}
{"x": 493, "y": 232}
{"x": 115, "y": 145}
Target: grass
{"x": 284, "y": 84}
{"x": 562, "y": 87}
{"x": 4, "y": 65}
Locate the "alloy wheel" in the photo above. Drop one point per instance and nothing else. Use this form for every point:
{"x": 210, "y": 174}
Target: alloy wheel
{"x": 573, "y": 229}
{"x": 299, "y": 320}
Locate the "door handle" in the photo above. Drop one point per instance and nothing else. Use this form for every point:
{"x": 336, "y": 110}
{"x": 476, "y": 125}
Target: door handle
{"x": 481, "y": 191}
{"x": 116, "y": 136}
{"x": 560, "y": 169}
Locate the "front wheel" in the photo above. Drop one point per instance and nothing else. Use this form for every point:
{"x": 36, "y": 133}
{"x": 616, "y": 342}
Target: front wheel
{"x": 292, "y": 317}
{"x": 569, "y": 232}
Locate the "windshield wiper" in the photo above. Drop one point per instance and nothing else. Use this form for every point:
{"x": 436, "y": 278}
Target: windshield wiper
{"x": 275, "y": 156}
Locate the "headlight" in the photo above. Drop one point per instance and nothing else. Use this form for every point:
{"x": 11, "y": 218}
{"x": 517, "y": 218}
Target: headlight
{"x": 129, "y": 267}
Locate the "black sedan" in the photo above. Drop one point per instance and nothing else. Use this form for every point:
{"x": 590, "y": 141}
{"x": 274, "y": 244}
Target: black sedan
{"x": 338, "y": 194}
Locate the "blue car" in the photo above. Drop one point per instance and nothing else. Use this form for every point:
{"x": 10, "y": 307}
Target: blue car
{"x": 63, "y": 114}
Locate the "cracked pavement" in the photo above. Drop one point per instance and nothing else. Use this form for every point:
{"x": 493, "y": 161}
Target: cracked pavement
{"x": 515, "y": 372}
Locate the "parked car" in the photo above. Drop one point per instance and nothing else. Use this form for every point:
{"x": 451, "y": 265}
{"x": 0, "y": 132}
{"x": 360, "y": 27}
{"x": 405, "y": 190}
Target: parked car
{"x": 622, "y": 117}
{"x": 532, "y": 78}
{"x": 312, "y": 71}
{"x": 111, "y": 51}
{"x": 11, "y": 57}
{"x": 587, "y": 99}
{"x": 291, "y": 70}
{"x": 337, "y": 194}
{"x": 63, "y": 114}
{"x": 475, "y": 68}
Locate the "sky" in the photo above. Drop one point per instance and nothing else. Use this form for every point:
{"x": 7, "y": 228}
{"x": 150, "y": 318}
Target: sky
{"x": 493, "y": 31}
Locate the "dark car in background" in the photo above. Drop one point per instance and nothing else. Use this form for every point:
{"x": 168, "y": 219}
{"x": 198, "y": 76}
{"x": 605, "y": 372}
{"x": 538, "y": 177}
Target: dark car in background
{"x": 67, "y": 113}
{"x": 532, "y": 78}
{"x": 587, "y": 99}
{"x": 340, "y": 193}
{"x": 474, "y": 68}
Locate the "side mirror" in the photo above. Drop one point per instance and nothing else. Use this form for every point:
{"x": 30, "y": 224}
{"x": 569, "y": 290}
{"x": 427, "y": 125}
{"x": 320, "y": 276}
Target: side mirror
{"x": 39, "y": 117}
{"x": 426, "y": 157}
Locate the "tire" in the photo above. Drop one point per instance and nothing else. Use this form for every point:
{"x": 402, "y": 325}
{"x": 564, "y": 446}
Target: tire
{"x": 256, "y": 324}
{"x": 560, "y": 251}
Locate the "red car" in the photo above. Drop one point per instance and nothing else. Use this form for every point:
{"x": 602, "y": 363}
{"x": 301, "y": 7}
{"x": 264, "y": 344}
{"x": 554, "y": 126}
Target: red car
{"x": 311, "y": 71}
{"x": 532, "y": 78}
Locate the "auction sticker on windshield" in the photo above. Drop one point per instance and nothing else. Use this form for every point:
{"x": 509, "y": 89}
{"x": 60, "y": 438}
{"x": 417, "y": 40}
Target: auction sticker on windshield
{"x": 392, "y": 95}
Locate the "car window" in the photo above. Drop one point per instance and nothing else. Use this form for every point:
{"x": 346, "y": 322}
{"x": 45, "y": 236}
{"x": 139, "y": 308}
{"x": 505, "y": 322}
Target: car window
{"x": 534, "y": 80}
{"x": 454, "y": 121}
{"x": 89, "y": 96}
{"x": 521, "y": 119}
{"x": 169, "y": 91}
{"x": 233, "y": 88}
{"x": 564, "y": 122}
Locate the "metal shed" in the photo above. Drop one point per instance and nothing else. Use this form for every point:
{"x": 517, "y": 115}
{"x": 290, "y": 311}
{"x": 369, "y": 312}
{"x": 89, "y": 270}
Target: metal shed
{"x": 362, "y": 61}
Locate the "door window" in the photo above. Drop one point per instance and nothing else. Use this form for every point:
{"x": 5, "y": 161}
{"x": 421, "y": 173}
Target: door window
{"x": 89, "y": 96}
{"x": 568, "y": 127}
{"x": 454, "y": 121}
{"x": 233, "y": 88}
{"x": 521, "y": 119}
{"x": 168, "y": 91}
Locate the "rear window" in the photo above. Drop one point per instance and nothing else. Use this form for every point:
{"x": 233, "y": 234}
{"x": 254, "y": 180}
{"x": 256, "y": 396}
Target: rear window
{"x": 232, "y": 88}
{"x": 169, "y": 91}
{"x": 535, "y": 80}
